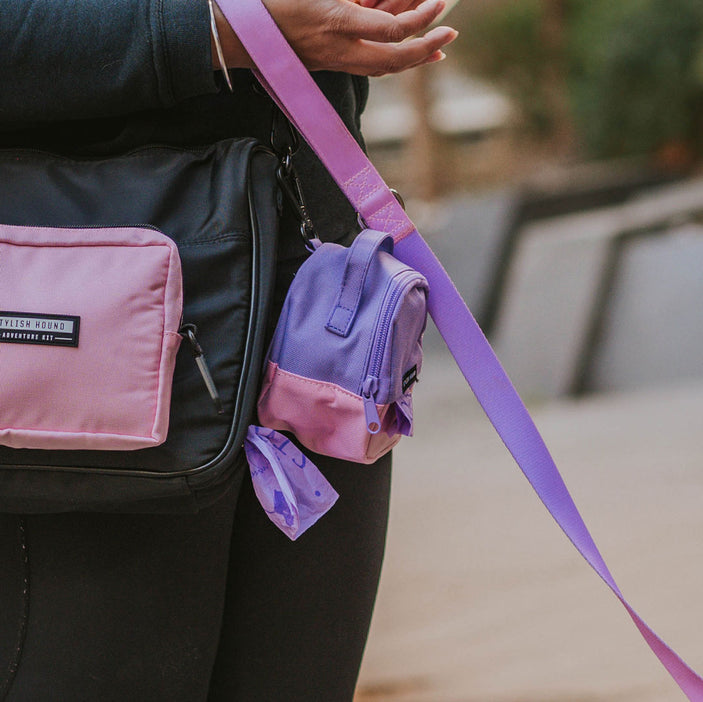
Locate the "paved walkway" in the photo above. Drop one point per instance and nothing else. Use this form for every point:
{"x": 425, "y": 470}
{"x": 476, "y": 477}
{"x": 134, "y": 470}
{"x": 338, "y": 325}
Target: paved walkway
{"x": 484, "y": 600}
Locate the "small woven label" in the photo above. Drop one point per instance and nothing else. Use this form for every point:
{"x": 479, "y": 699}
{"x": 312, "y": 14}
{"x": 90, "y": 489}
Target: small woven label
{"x": 42, "y": 329}
{"x": 409, "y": 378}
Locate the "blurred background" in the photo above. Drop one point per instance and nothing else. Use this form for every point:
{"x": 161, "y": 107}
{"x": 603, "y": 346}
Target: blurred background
{"x": 554, "y": 163}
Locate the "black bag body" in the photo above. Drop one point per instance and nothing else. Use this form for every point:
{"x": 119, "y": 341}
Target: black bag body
{"x": 221, "y": 205}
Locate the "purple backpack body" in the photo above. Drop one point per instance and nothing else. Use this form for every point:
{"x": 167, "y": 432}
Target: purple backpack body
{"x": 347, "y": 351}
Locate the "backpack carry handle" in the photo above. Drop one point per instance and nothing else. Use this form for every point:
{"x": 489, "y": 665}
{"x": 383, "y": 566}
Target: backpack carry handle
{"x": 359, "y": 257}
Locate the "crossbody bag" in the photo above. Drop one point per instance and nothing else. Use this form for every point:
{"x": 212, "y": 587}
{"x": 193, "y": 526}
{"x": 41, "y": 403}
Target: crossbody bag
{"x": 134, "y": 294}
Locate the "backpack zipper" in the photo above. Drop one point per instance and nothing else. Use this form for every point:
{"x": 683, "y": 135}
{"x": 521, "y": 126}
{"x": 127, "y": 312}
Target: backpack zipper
{"x": 369, "y": 388}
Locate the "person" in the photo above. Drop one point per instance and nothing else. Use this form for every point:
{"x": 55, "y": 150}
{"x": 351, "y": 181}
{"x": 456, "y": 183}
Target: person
{"x": 217, "y": 605}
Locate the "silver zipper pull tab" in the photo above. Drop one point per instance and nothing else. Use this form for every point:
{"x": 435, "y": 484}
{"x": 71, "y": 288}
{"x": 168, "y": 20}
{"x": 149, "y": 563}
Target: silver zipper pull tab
{"x": 188, "y": 332}
{"x": 368, "y": 392}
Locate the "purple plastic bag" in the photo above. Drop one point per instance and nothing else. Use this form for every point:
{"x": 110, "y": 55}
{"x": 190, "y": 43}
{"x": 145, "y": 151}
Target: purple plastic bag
{"x": 289, "y": 486}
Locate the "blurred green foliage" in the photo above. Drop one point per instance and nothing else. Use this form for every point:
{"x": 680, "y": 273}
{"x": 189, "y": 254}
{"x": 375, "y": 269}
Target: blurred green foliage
{"x": 632, "y": 69}
{"x": 503, "y": 44}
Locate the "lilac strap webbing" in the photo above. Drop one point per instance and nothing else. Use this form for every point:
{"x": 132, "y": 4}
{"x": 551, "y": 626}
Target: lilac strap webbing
{"x": 290, "y": 84}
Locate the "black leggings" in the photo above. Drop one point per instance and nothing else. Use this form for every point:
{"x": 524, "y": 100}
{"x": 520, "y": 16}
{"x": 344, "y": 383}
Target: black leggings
{"x": 218, "y": 606}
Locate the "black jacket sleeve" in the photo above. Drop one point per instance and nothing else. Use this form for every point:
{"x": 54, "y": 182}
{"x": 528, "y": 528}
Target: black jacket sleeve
{"x": 78, "y": 59}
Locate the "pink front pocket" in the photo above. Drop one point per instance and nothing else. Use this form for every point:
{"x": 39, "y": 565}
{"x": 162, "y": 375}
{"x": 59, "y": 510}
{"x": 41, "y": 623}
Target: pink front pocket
{"x": 89, "y": 330}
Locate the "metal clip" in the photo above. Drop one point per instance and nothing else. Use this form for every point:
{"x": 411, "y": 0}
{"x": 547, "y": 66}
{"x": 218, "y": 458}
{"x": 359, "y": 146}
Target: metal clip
{"x": 290, "y": 185}
{"x": 398, "y": 197}
{"x": 290, "y": 142}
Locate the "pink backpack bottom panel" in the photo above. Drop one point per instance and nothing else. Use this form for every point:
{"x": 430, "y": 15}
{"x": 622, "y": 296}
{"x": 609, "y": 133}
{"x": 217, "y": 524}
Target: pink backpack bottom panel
{"x": 324, "y": 417}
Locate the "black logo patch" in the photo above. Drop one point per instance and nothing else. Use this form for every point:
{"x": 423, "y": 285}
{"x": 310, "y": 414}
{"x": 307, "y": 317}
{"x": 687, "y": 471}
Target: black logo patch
{"x": 409, "y": 378}
{"x": 42, "y": 329}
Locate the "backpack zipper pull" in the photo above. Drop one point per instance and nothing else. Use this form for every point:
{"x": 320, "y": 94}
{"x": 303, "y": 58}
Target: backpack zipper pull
{"x": 368, "y": 392}
{"x": 188, "y": 332}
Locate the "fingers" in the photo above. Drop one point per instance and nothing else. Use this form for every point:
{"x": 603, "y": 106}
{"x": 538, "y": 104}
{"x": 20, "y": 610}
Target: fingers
{"x": 377, "y": 25}
{"x": 342, "y": 35}
{"x": 378, "y": 58}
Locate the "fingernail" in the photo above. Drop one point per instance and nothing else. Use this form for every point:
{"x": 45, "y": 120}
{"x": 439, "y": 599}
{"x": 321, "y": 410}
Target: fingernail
{"x": 435, "y": 58}
{"x": 443, "y": 35}
{"x": 446, "y": 34}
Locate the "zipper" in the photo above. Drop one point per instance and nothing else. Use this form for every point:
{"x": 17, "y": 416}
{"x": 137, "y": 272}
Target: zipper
{"x": 369, "y": 388}
{"x": 368, "y": 392}
{"x": 81, "y": 227}
{"x": 188, "y": 332}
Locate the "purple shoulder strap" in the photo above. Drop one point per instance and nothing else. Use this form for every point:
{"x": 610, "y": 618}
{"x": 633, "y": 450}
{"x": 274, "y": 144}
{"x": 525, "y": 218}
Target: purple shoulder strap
{"x": 289, "y": 83}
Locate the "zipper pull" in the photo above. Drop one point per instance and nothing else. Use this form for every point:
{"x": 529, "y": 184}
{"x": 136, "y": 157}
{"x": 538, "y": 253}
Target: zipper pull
{"x": 188, "y": 332}
{"x": 368, "y": 392}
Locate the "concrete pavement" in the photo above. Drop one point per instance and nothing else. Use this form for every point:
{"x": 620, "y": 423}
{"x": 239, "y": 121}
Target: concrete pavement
{"x": 483, "y": 599}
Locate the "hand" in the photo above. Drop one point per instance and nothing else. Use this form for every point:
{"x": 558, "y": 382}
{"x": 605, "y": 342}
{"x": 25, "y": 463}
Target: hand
{"x": 341, "y": 35}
